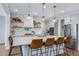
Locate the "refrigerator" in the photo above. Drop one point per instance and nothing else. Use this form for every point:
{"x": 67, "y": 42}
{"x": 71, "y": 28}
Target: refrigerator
{"x": 75, "y": 34}
{"x": 73, "y": 30}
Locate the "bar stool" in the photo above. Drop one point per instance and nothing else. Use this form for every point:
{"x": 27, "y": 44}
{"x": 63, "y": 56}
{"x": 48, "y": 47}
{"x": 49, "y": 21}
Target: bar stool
{"x": 59, "y": 43}
{"x": 49, "y": 44}
{"x": 11, "y": 45}
{"x": 36, "y": 45}
{"x": 69, "y": 45}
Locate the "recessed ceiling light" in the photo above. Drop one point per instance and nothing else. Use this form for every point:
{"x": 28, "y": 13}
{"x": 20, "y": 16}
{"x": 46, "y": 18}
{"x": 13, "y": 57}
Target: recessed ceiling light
{"x": 50, "y": 16}
{"x": 16, "y": 10}
{"x": 44, "y": 6}
{"x": 62, "y": 11}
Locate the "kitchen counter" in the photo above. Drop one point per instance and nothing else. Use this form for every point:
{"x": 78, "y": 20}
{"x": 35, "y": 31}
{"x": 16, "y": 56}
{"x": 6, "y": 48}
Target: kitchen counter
{"x": 23, "y": 41}
{"x": 27, "y": 39}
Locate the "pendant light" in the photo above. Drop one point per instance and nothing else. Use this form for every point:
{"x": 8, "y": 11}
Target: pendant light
{"x": 29, "y": 16}
{"x": 43, "y": 6}
{"x": 54, "y": 19}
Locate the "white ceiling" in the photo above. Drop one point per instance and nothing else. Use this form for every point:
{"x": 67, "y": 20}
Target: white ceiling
{"x": 69, "y": 9}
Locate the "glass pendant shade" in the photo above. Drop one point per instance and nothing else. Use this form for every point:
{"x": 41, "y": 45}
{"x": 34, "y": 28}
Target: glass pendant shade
{"x": 43, "y": 6}
{"x": 54, "y": 19}
{"x": 43, "y": 18}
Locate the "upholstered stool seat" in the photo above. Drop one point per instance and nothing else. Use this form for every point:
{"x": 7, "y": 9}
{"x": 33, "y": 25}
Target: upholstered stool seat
{"x": 35, "y": 46}
{"x": 49, "y": 45}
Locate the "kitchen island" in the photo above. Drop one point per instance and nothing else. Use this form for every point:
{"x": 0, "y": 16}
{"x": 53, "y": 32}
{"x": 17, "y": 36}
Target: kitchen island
{"x": 23, "y": 41}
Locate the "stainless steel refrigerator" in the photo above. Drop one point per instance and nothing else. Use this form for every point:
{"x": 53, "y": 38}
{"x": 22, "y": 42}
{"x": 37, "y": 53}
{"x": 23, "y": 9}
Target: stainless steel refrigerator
{"x": 73, "y": 30}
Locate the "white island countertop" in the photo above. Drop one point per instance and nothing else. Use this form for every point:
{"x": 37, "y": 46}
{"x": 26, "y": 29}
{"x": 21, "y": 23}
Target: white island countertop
{"x": 25, "y": 40}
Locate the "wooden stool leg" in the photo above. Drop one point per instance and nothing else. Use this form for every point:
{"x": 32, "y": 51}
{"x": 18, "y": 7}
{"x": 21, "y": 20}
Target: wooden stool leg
{"x": 72, "y": 52}
{"x": 10, "y": 51}
{"x": 67, "y": 52}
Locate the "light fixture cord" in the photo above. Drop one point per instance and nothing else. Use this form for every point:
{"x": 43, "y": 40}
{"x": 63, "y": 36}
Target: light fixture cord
{"x": 54, "y": 10}
{"x": 28, "y": 8}
{"x": 43, "y": 9}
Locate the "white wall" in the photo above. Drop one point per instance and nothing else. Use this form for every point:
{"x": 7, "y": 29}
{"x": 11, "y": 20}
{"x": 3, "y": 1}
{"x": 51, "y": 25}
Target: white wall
{"x": 56, "y": 28}
{"x": 2, "y": 24}
{"x": 6, "y": 23}
{"x": 5, "y": 7}
{"x": 2, "y": 29}
{"x": 7, "y": 30}
{"x": 2, "y": 13}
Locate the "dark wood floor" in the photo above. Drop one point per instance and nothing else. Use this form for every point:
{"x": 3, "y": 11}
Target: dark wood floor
{"x": 16, "y": 51}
